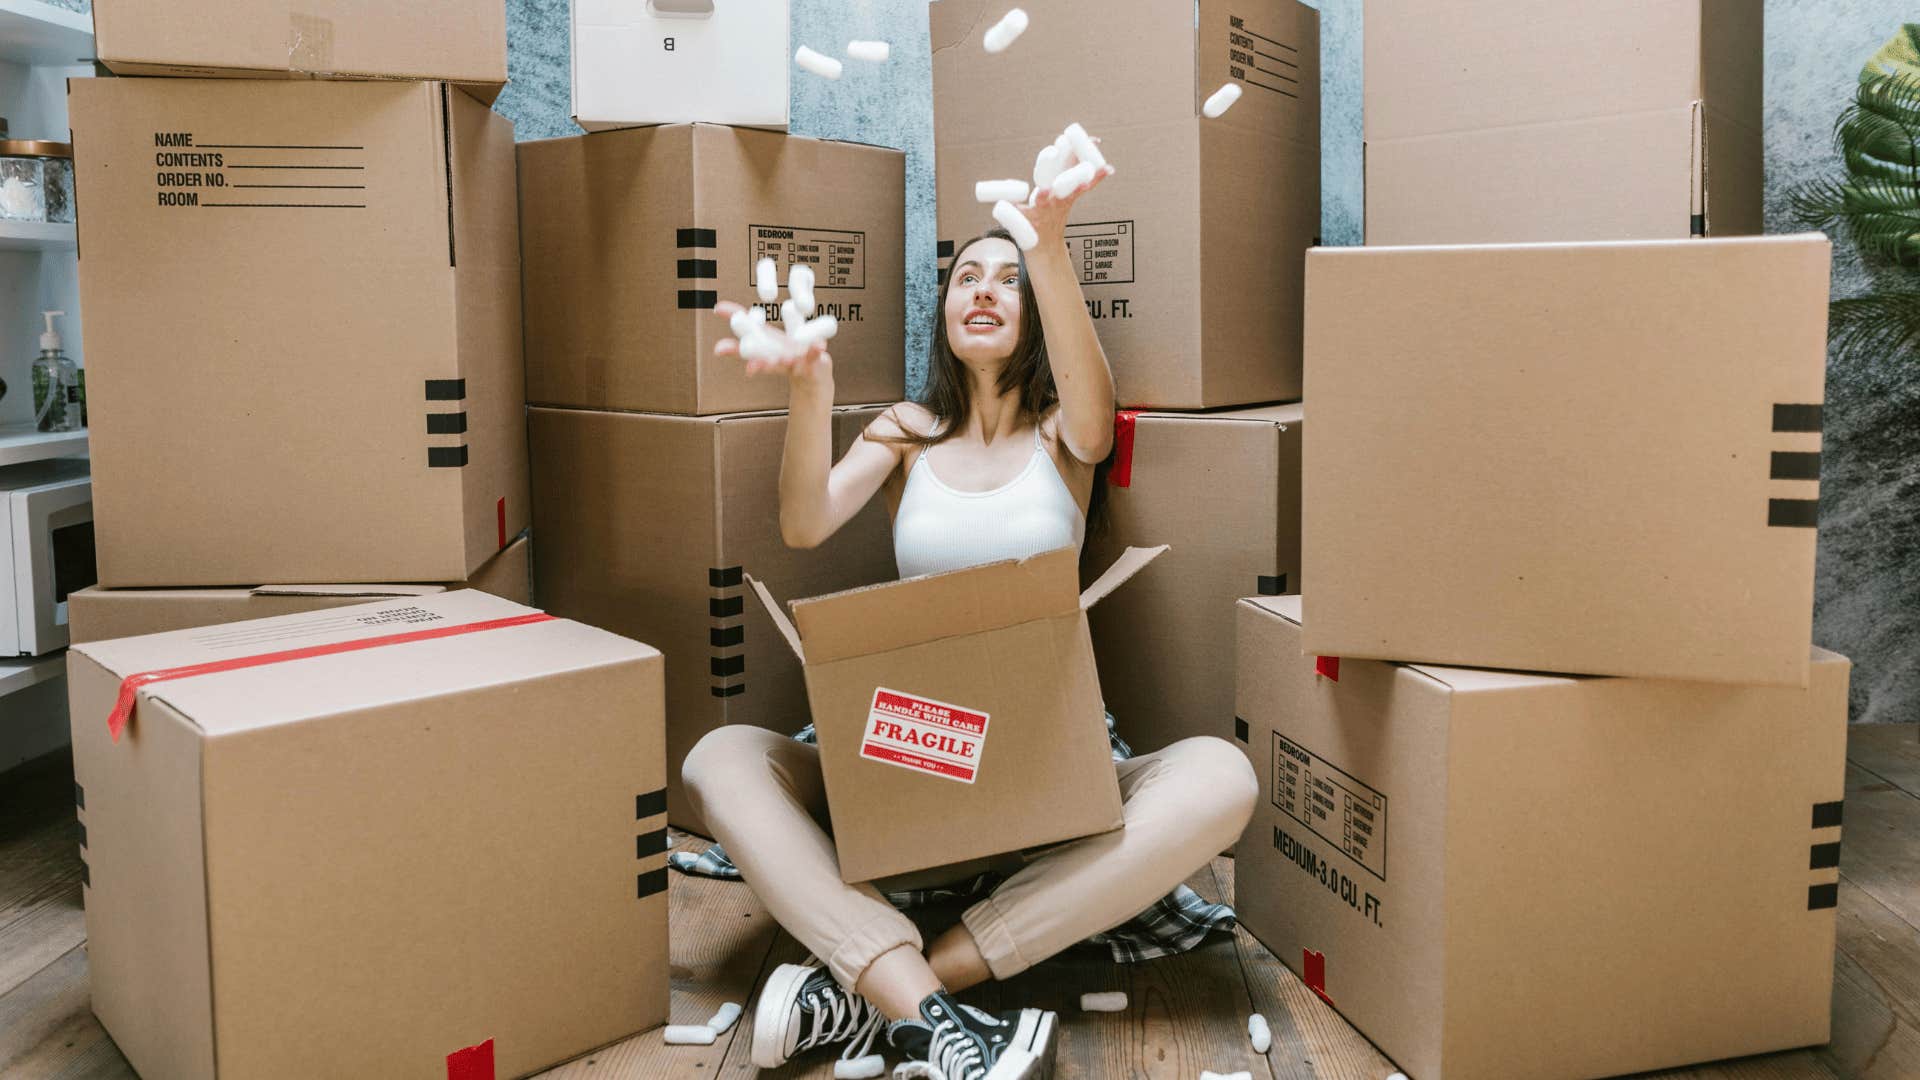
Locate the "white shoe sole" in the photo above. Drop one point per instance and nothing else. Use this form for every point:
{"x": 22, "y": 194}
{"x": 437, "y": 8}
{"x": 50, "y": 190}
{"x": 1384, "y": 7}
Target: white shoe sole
{"x": 772, "y": 1015}
{"x": 1034, "y": 1037}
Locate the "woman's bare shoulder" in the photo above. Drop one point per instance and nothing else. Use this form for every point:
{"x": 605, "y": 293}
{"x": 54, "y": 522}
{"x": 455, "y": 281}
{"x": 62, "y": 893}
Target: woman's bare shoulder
{"x": 908, "y": 418}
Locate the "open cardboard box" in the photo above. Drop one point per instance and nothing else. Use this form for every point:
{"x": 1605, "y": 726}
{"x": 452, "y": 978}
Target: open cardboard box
{"x": 959, "y": 714}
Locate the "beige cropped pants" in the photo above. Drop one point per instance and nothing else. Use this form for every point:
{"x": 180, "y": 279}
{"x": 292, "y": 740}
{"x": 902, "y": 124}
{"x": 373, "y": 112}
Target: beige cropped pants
{"x": 761, "y": 795}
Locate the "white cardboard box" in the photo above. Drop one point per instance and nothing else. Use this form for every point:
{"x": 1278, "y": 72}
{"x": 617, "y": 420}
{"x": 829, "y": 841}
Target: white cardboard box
{"x": 638, "y": 62}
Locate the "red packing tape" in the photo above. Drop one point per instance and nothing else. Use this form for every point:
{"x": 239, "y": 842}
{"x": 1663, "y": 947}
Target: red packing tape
{"x": 472, "y": 1063}
{"x": 1121, "y": 474}
{"x": 1313, "y": 972}
{"x": 1328, "y": 666}
{"x": 122, "y": 713}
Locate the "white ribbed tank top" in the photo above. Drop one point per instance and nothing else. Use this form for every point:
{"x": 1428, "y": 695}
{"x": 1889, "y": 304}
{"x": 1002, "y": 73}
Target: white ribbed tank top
{"x": 938, "y": 528}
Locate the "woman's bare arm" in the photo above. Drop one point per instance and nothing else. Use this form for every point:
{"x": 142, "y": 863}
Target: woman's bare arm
{"x": 1080, "y": 370}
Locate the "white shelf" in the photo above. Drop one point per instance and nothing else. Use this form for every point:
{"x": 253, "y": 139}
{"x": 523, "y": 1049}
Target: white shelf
{"x": 18, "y": 673}
{"x": 32, "y": 32}
{"x": 21, "y": 443}
{"x": 36, "y": 236}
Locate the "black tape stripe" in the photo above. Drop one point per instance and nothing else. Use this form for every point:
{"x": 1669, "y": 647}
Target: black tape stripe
{"x": 446, "y": 423}
{"x": 86, "y": 874}
{"x": 723, "y": 666}
{"x": 446, "y": 389}
{"x": 653, "y": 881}
{"x": 1824, "y": 856}
{"x": 1821, "y": 897}
{"x": 725, "y": 637}
{"x": 1791, "y": 465}
{"x": 1697, "y": 225}
{"x": 697, "y": 268}
{"x": 650, "y": 843}
{"x": 83, "y": 834}
{"x": 79, "y": 795}
{"x": 1826, "y": 814}
{"x": 695, "y": 238}
{"x": 1273, "y": 585}
{"x": 1796, "y": 418}
{"x": 646, "y": 806}
{"x": 1240, "y": 729}
{"x": 698, "y": 299}
{"x": 1794, "y": 513}
{"x": 446, "y": 457}
{"x": 726, "y": 607}
{"x": 724, "y": 577}
{"x": 729, "y": 691}
{"x": 944, "y": 249}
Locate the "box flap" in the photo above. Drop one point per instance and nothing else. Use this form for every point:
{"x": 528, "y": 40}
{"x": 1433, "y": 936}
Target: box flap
{"x": 893, "y": 615}
{"x": 779, "y": 617}
{"x": 248, "y": 698}
{"x": 1131, "y": 561}
{"x": 370, "y": 591}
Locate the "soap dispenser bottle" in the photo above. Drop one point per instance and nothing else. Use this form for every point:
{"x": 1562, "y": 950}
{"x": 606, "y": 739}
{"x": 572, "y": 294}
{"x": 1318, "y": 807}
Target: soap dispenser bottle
{"x": 49, "y": 395}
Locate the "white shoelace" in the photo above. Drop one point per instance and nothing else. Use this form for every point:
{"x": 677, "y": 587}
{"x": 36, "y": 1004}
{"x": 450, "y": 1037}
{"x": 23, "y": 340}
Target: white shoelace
{"x": 953, "y": 1049}
{"x": 844, "y": 1016}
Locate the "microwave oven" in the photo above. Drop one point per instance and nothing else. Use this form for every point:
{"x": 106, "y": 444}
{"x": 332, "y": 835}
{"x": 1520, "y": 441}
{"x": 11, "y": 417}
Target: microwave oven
{"x": 46, "y": 551}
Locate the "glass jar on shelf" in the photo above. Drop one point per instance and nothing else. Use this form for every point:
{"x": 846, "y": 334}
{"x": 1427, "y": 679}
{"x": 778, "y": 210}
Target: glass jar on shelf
{"x": 36, "y": 180}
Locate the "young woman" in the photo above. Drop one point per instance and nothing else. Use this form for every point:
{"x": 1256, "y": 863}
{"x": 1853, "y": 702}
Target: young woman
{"x": 997, "y": 463}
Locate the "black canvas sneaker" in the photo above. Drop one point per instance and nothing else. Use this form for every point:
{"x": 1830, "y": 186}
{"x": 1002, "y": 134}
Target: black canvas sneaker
{"x": 801, "y": 1008}
{"x": 965, "y": 1043}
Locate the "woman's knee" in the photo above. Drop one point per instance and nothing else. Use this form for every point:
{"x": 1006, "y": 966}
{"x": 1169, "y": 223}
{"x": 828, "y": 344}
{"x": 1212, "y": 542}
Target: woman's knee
{"x": 1224, "y": 784}
{"x": 722, "y": 756}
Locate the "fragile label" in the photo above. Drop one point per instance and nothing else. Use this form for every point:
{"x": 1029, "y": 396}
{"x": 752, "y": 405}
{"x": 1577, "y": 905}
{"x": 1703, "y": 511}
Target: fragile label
{"x": 1338, "y": 808}
{"x": 924, "y": 735}
{"x": 837, "y": 257}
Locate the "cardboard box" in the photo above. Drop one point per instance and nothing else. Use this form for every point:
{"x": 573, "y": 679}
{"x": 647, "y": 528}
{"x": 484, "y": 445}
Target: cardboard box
{"x": 361, "y": 862}
{"x": 1496, "y": 874}
{"x": 647, "y": 525}
{"x": 680, "y": 62}
{"x": 1510, "y": 121}
{"x": 1597, "y": 458}
{"x": 458, "y": 41}
{"x": 631, "y": 236}
{"x": 1190, "y": 254}
{"x": 330, "y": 391}
{"x": 959, "y": 714}
{"x": 96, "y": 614}
{"x": 1224, "y": 490}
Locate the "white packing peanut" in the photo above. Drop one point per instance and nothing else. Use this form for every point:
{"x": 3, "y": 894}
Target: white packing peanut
{"x": 762, "y": 344}
{"x": 722, "y": 1020}
{"x": 790, "y": 315}
{"x": 813, "y": 330}
{"x": 873, "y": 52}
{"x": 819, "y": 63}
{"x": 688, "y": 1035}
{"x": 1083, "y": 145}
{"x": 1001, "y": 34}
{"x": 1066, "y": 182}
{"x": 913, "y": 1070}
{"x": 1221, "y": 100}
{"x": 1046, "y": 166}
{"x": 1110, "y": 1001}
{"x": 800, "y": 286}
{"x": 1259, "y": 1033}
{"x": 1016, "y": 223}
{"x": 758, "y": 314}
{"x": 741, "y": 322}
{"x": 766, "y": 281}
{"x": 1397, "y": 1076}
{"x": 989, "y": 191}
{"x": 860, "y": 1068}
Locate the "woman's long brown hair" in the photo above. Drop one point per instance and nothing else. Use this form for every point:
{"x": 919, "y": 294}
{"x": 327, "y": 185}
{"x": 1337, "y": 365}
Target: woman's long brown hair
{"x": 948, "y": 394}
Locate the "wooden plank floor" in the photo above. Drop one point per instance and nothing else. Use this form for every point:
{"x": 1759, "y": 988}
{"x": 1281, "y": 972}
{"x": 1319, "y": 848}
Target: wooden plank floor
{"x": 1185, "y": 1013}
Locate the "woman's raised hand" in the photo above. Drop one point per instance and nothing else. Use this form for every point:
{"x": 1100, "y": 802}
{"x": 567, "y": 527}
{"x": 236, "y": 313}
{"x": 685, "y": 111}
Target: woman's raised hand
{"x": 814, "y": 363}
{"x": 1048, "y": 214}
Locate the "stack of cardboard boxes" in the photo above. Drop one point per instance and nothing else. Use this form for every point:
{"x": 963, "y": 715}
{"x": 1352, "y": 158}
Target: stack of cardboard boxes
{"x": 348, "y": 838}
{"x": 1191, "y": 257}
{"x": 657, "y": 463}
{"x": 1532, "y": 465}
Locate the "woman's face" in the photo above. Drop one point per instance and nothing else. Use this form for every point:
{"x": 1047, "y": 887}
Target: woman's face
{"x": 983, "y": 302}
